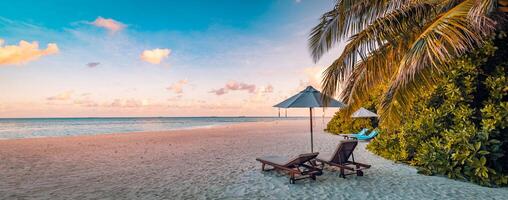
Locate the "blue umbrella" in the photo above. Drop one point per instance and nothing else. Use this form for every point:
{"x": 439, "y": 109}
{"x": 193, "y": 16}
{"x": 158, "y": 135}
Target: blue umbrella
{"x": 309, "y": 98}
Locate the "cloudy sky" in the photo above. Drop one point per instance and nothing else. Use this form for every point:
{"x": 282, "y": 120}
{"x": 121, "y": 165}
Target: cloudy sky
{"x": 155, "y": 58}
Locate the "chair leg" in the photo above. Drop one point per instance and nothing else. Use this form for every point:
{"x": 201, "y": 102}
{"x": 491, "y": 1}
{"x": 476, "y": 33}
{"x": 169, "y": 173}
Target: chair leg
{"x": 292, "y": 178}
{"x": 263, "y": 167}
{"x": 342, "y": 174}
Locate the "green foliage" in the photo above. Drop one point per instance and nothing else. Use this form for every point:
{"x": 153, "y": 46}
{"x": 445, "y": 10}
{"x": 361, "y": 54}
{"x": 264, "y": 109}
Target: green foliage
{"x": 342, "y": 123}
{"x": 459, "y": 129}
{"x": 407, "y": 44}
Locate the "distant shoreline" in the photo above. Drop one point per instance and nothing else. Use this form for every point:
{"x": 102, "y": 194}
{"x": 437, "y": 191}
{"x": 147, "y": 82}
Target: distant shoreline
{"x": 15, "y": 118}
{"x": 20, "y": 128}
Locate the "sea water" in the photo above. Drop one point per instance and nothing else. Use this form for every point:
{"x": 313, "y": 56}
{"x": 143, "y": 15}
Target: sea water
{"x": 52, "y": 127}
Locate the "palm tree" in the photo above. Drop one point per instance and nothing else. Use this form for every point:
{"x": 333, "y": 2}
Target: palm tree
{"x": 408, "y": 44}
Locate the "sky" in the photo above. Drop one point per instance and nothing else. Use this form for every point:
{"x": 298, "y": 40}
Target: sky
{"x": 156, "y": 58}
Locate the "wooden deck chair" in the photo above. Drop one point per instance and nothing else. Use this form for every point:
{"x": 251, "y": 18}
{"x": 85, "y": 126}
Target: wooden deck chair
{"x": 298, "y": 168}
{"x": 340, "y": 159}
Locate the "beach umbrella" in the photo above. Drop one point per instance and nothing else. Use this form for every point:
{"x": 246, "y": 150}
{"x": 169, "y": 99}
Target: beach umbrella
{"x": 363, "y": 113}
{"x": 309, "y": 98}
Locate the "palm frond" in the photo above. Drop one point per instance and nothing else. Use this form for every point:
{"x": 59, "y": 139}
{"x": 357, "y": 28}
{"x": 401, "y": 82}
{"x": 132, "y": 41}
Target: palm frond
{"x": 367, "y": 75}
{"x": 385, "y": 30}
{"x": 347, "y": 18}
{"x": 450, "y": 35}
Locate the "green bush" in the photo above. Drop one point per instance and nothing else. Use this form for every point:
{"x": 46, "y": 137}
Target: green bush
{"x": 342, "y": 123}
{"x": 459, "y": 129}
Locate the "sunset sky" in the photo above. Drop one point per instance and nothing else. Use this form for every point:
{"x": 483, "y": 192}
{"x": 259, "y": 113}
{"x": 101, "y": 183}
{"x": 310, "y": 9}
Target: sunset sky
{"x": 155, "y": 58}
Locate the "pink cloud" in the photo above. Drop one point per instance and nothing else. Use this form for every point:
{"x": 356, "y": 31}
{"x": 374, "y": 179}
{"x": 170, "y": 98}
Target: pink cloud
{"x": 233, "y": 86}
{"x": 219, "y": 92}
{"x": 155, "y": 56}
{"x": 178, "y": 86}
{"x": 268, "y": 89}
{"x": 93, "y": 64}
{"x": 110, "y": 24}
{"x": 24, "y": 52}
{"x": 64, "y": 96}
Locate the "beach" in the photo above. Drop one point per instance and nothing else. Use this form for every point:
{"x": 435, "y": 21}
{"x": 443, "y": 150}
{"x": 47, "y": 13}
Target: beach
{"x": 206, "y": 163}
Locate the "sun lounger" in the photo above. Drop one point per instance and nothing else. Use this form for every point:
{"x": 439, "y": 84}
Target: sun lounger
{"x": 361, "y": 132}
{"x": 340, "y": 159}
{"x": 366, "y": 137}
{"x": 298, "y": 168}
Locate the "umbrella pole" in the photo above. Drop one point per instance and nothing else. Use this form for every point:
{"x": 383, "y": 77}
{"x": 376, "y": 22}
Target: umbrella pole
{"x": 279, "y": 112}
{"x": 311, "y": 134}
{"x": 323, "y": 118}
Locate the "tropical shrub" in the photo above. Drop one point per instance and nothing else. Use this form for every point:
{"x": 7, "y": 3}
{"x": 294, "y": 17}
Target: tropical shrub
{"x": 459, "y": 129}
{"x": 408, "y": 44}
{"x": 342, "y": 123}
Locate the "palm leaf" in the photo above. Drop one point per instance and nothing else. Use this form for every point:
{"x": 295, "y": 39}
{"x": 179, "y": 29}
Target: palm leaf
{"x": 347, "y": 18}
{"x": 450, "y": 35}
{"x": 385, "y": 30}
{"x": 366, "y": 76}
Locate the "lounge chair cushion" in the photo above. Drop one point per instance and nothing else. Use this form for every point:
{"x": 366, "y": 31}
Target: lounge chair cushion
{"x": 367, "y": 137}
{"x": 361, "y": 132}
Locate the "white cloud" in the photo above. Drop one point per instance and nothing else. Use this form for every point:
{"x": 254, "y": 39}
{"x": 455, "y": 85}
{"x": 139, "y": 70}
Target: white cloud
{"x": 24, "y": 52}
{"x": 155, "y": 56}
{"x": 110, "y": 24}
{"x": 129, "y": 103}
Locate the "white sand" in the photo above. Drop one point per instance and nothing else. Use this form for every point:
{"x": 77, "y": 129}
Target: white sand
{"x": 211, "y": 163}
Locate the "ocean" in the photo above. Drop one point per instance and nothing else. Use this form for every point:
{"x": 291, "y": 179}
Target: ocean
{"x": 53, "y": 127}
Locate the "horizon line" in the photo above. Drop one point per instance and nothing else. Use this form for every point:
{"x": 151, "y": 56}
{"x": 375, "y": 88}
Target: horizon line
{"x": 106, "y": 117}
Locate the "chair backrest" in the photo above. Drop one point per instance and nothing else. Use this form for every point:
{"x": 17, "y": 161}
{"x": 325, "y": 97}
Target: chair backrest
{"x": 302, "y": 158}
{"x": 343, "y": 151}
{"x": 372, "y": 134}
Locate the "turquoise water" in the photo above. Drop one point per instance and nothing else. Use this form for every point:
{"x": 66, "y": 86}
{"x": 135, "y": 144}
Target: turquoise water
{"x": 51, "y": 127}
